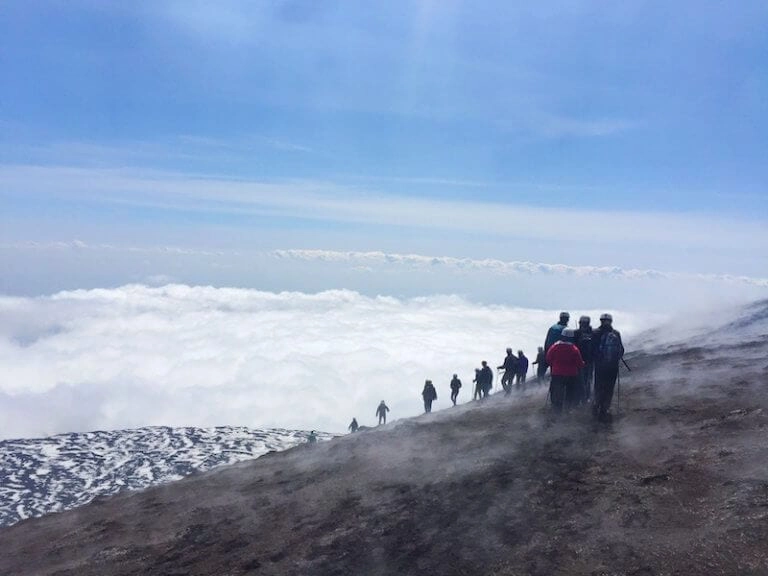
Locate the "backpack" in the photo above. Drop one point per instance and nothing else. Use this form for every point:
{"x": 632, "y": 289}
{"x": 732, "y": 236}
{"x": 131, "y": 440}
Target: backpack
{"x": 610, "y": 350}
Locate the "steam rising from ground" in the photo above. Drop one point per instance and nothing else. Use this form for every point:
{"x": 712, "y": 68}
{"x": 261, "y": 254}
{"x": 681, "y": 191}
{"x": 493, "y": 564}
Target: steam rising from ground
{"x": 201, "y": 356}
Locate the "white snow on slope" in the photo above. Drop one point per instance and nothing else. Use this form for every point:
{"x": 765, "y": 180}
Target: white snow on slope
{"x": 61, "y": 472}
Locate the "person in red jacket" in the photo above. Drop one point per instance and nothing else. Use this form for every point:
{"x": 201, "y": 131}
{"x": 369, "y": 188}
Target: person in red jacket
{"x": 565, "y": 363}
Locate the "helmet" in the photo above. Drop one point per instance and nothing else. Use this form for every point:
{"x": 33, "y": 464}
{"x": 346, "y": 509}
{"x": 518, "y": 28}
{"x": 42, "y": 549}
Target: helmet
{"x": 565, "y": 316}
{"x": 509, "y": 350}
{"x": 584, "y": 320}
{"x": 606, "y": 318}
{"x": 568, "y": 334}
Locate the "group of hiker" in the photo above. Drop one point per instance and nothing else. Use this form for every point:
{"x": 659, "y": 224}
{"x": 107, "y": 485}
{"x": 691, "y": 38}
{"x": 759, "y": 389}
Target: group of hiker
{"x": 583, "y": 365}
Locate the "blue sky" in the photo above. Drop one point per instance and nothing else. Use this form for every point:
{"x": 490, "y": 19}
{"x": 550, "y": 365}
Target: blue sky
{"x": 627, "y": 134}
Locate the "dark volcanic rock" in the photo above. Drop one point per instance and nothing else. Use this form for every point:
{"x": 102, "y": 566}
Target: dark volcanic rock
{"x": 678, "y": 485}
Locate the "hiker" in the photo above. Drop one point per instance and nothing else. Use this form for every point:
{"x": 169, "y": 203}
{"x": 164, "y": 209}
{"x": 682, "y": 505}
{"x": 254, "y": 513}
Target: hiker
{"x": 353, "y": 426}
{"x": 608, "y": 351}
{"x": 381, "y": 412}
{"x": 566, "y": 362}
{"x": 455, "y": 386}
{"x": 509, "y": 366}
{"x": 312, "y": 438}
{"x": 553, "y": 334}
{"x": 429, "y": 394}
{"x": 478, "y": 393}
{"x": 522, "y": 369}
{"x": 585, "y": 345}
{"x": 541, "y": 370}
{"x": 486, "y": 377}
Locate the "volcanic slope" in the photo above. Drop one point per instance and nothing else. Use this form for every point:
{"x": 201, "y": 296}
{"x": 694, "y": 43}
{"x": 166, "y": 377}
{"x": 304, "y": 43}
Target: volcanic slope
{"x": 677, "y": 485}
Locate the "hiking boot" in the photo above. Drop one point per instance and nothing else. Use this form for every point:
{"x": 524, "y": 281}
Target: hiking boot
{"x": 605, "y": 417}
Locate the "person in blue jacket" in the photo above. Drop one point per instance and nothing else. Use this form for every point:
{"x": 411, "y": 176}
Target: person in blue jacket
{"x": 553, "y": 334}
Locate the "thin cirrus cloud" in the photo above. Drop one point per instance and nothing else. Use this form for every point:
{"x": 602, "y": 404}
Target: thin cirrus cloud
{"x": 203, "y": 356}
{"x": 331, "y": 202}
{"x": 508, "y": 268}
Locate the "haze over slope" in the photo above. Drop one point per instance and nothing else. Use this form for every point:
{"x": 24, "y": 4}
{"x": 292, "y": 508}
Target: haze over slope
{"x": 676, "y": 486}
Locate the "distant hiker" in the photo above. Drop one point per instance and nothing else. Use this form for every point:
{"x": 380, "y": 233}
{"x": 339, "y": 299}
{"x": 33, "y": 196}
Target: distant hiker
{"x": 312, "y": 438}
{"x": 522, "y": 369}
{"x": 381, "y": 412}
{"x": 585, "y": 345}
{"x": 486, "y": 378}
{"x": 553, "y": 334}
{"x": 478, "y": 393}
{"x": 455, "y": 386}
{"x": 509, "y": 366}
{"x": 429, "y": 394}
{"x": 353, "y": 426}
{"x": 608, "y": 351}
{"x": 541, "y": 370}
{"x": 566, "y": 362}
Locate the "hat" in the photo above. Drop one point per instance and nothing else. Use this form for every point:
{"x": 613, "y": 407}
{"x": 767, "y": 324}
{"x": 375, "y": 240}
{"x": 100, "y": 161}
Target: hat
{"x": 568, "y": 334}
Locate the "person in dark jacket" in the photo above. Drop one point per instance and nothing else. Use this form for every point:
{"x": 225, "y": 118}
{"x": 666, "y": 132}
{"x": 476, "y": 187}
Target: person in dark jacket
{"x": 566, "y": 362}
{"x": 429, "y": 394}
{"x": 522, "y": 369}
{"x": 478, "y": 393}
{"x": 381, "y": 412}
{"x": 510, "y": 366}
{"x": 585, "y": 346}
{"x": 541, "y": 363}
{"x": 608, "y": 350}
{"x": 353, "y": 425}
{"x": 486, "y": 377}
{"x": 455, "y": 387}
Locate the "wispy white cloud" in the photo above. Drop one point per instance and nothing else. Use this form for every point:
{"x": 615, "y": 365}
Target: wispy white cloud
{"x": 335, "y": 203}
{"x": 508, "y": 268}
{"x": 181, "y": 355}
{"x": 365, "y": 261}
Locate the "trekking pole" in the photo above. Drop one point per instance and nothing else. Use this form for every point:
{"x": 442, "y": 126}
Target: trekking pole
{"x": 618, "y": 393}
{"x": 626, "y": 365}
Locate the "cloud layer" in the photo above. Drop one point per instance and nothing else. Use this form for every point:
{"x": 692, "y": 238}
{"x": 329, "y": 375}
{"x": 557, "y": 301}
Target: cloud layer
{"x": 203, "y": 356}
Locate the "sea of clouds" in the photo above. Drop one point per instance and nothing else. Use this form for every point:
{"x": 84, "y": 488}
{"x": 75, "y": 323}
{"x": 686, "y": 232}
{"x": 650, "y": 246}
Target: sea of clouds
{"x": 181, "y": 355}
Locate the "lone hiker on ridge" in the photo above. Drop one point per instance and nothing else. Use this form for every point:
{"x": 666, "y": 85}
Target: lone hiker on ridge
{"x": 608, "y": 351}
{"x": 455, "y": 386}
{"x": 509, "y": 366}
{"x": 381, "y": 412}
{"x": 429, "y": 394}
{"x": 353, "y": 425}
